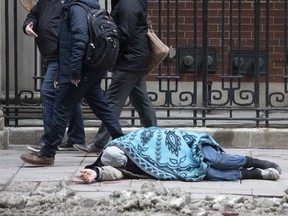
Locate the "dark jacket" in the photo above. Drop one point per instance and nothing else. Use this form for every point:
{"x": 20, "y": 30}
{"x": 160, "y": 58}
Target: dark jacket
{"x": 73, "y": 40}
{"x": 130, "y": 16}
{"x": 45, "y": 16}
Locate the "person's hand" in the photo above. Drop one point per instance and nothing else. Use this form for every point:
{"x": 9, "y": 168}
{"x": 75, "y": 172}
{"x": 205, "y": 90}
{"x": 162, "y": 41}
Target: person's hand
{"x": 87, "y": 175}
{"x": 75, "y": 82}
{"x": 29, "y": 30}
{"x": 55, "y": 84}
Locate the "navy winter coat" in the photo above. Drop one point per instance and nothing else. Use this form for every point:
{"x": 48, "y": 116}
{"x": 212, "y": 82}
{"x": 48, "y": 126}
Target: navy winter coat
{"x": 130, "y": 16}
{"x": 73, "y": 40}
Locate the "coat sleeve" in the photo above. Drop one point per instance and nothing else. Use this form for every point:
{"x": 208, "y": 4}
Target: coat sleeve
{"x": 108, "y": 173}
{"x": 80, "y": 38}
{"x": 32, "y": 17}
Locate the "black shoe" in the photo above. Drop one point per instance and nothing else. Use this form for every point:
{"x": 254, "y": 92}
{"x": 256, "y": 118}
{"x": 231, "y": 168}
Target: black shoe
{"x": 67, "y": 146}
{"x": 36, "y": 147}
{"x": 90, "y": 148}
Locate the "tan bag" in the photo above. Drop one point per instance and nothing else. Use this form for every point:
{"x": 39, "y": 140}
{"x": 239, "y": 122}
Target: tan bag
{"x": 158, "y": 50}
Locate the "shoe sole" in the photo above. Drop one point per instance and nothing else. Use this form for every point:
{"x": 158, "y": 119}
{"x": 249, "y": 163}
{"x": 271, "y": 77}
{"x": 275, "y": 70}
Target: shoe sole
{"x": 66, "y": 149}
{"x": 86, "y": 152}
{"x": 79, "y": 149}
{"x": 33, "y": 149}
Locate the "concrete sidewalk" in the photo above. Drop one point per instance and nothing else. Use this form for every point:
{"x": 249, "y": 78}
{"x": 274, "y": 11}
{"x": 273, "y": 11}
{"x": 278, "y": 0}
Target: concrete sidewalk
{"x": 21, "y": 177}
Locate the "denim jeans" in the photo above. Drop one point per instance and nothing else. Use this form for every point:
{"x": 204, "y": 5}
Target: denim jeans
{"x": 69, "y": 96}
{"x": 223, "y": 166}
{"x": 76, "y": 134}
{"x": 124, "y": 85}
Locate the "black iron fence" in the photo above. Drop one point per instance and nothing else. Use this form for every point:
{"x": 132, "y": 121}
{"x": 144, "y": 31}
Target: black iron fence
{"x": 227, "y": 66}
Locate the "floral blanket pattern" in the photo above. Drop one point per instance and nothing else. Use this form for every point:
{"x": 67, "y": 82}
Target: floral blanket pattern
{"x": 167, "y": 154}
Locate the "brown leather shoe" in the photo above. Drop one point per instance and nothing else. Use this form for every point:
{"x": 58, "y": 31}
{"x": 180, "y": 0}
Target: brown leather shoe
{"x": 37, "y": 159}
{"x": 90, "y": 148}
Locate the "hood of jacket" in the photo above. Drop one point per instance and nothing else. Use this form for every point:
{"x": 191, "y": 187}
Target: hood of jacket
{"x": 143, "y": 2}
{"x": 90, "y": 3}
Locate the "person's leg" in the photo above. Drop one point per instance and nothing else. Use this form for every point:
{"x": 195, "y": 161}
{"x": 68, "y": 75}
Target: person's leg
{"x": 214, "y": 174}
{"x": 68, "y": 97}
{"x": 117, "y": 94}
{"x": 228, "y": 167}
{"x": 98, "y": 104}
{"x": 262, "y": 164}
{"x": 75, "y": 132}
{"x": 256, "y": 173}
{"x": 142, "y": 104}
{"x": 49, "y": 94}
{"x": 221, "y": 160}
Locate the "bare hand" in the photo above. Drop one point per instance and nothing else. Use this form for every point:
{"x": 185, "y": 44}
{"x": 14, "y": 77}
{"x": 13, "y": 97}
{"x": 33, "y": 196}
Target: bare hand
{"x": 29, "y": 30}
{"x": 55, "y": 84}
{"x": 75, "y": 82}
{"x": 87, "y": 175}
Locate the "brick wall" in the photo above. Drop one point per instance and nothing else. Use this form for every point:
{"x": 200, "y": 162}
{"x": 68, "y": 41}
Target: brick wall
{"x": 180, "y": 15}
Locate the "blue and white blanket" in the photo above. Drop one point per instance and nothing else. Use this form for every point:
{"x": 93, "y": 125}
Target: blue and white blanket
{"x": 167, "y": 154}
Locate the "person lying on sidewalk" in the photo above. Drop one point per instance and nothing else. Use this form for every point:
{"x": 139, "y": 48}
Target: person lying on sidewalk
{"x": 172, "y": 154}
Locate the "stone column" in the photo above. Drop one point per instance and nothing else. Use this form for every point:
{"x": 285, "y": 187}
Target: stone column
{"x": 3, "y": 131}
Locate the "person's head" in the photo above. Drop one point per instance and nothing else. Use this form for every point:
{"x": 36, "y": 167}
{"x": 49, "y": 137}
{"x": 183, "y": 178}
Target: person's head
{"x": 113, "y": 156}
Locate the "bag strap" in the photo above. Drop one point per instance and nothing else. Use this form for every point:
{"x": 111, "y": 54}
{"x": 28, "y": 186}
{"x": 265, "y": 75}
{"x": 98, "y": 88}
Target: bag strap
{"x": 149, "y": 23}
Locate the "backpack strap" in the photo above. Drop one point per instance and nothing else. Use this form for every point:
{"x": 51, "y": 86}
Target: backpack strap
{"x": 87, "y": 9}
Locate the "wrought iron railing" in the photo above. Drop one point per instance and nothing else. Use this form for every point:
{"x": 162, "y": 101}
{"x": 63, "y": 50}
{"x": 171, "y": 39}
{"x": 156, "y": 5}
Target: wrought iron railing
{"x": 227, "y": 66}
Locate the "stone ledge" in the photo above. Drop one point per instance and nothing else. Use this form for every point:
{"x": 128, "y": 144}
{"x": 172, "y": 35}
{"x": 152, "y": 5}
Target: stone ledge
{"x": 229, "y": 138}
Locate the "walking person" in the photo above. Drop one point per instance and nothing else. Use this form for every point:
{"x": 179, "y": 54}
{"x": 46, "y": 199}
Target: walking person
{"x": 75, "y": 81}
{"x": 173, "y": 154}
{"x": 42, "y": 23}
{"x": 129, "y": 71}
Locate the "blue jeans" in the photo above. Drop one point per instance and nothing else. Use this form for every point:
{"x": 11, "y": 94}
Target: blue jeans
{"x": 75, "y": 133}
{"x": 69, "y": 96}
{"x": 124, "y": 85}
{"x": 223, "y": 166}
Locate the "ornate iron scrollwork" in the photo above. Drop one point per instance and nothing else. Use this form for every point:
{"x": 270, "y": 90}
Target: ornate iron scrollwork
{"x": 28, "y": 4}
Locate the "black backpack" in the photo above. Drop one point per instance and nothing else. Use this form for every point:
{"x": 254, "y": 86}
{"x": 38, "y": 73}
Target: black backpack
{"x": 103, "y": 47}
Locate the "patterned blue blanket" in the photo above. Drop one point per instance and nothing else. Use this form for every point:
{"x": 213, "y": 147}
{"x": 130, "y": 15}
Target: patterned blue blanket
{"x": 167, "y": 154}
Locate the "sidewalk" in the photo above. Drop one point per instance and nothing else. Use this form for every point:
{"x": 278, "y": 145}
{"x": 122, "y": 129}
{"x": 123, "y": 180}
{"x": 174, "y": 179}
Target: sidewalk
{"x": 21, "y": 177}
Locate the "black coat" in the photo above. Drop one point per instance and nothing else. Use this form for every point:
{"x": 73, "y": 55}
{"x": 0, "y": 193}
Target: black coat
{"x": 73, "y": 40}
{"x": 130, "y": 16}
{"x": 45, "y": 16}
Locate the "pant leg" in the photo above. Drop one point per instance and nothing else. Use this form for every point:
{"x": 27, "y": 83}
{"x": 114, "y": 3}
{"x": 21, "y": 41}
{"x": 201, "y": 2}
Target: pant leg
{"x": 221, "y": 160}
{"x": 68, "y": 98}
{"x": 223, "y": 166}
{"x": 49, "y": 94}
{"x": 223, "y": 175}
{"x": 76, "y": 132}
{"x": 98, "y": 104}
{"x": 142, "y": 104}
{"x": 117, "y": 94}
